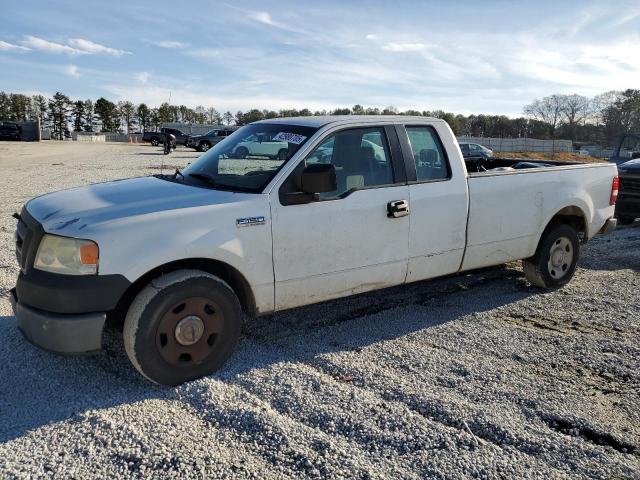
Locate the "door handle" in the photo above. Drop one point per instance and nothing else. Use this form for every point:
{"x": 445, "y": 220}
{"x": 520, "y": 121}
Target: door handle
{"x": 397, "y": 209}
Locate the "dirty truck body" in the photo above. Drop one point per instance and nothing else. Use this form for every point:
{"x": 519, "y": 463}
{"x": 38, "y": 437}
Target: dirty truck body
{"x": 358, "y": 204}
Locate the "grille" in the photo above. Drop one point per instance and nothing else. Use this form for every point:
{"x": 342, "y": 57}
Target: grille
{"x": 21, "y": 234}
{"x": 28, "y": 235}
{"x": 629, "y": 185}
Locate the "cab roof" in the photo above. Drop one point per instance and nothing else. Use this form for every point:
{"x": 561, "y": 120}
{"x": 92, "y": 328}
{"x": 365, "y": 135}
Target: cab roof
{"x": 322, "y": 120}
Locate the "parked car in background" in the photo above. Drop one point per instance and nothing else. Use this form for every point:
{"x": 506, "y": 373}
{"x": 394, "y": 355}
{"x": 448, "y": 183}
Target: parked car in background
{"x": 475, "y": 150}
{"x": 156, "y": 138}
{"x": 202, "y": 143}
{"x": 263, "y": 145}
{"x": 628, "y": 206}
{"x": 177, "y": 261}
{"x": 10, "y": 131}
{"x": 628, "y": 148}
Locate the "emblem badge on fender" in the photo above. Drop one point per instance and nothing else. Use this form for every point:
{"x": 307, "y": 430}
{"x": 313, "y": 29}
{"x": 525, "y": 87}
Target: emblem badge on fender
{"x": 249, "y": 221}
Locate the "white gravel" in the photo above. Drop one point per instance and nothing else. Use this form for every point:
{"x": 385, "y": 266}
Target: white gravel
{"x": 477, "y": 375}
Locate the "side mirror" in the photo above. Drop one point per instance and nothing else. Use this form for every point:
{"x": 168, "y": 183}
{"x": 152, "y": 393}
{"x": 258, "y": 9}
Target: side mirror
{"x": 319, "y": 178}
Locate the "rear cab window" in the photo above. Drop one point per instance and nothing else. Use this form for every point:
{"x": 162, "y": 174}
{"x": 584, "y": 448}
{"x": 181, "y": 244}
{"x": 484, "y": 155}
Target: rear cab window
{"x": 428, "y": 154}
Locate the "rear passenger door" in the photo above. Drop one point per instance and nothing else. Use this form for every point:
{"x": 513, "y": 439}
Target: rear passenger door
{"x": 439, "y": 203}
{"x": 347, "y": 241}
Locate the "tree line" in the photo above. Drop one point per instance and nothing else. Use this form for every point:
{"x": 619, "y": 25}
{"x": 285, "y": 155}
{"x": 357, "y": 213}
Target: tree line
{"x": 600, "y": 119}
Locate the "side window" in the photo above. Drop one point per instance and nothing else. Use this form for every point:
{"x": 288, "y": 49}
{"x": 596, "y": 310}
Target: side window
{"x": 360, "y": 156}
{"x": 431, "y": 164}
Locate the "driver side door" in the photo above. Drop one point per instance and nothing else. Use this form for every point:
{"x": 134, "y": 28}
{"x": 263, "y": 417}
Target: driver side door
{"x": 345, "y": 242}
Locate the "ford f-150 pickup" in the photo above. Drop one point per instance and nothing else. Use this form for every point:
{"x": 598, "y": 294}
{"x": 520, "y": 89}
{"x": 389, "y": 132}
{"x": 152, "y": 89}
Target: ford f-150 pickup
{"x": 355, "y": 204}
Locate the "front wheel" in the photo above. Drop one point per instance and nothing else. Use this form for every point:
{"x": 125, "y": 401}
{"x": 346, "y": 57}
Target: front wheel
{"x": 241, "y": 152}
{"x": 282, "y": 154}
{"x": 554, "y": 262}
{"x": 155, "y": 141}
{"x": 182, "y": 326}
{"x": 204, "y": 146}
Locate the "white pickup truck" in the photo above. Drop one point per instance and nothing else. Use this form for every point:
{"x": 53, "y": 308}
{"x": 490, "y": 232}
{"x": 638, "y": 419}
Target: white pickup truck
{"x": 357, "y": 204}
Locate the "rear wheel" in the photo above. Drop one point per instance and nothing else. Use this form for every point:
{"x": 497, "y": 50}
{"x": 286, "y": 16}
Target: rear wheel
{"x": 554, "y": 262}
{"x": 155, "y": 141}
{"x": 242, "y": 152}
{"x": 182, "y": 326}
{"x": 204, "y": 146}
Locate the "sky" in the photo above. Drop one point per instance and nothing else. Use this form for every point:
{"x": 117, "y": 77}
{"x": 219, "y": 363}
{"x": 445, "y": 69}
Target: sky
{"x": 458, "y": 56}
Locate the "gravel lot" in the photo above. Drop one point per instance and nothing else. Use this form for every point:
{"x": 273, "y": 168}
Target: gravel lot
{"x": 477, "y": 375}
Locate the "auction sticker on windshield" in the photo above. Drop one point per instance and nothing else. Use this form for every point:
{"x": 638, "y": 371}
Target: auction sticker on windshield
{"x": 289, "y": 137}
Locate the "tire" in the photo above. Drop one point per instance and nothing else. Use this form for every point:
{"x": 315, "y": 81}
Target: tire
{"x": 155, "y": 141}
{"x": 242, "y": 152}
{"x": 282, "y": 154}
{"x": 554, "y": 262}
{"x": 626, "y": 220}
{"x": 211, "y": 318}
{"x": 204, "y": 146}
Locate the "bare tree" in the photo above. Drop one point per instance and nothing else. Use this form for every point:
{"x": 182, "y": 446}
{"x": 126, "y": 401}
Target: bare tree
{"x": 576, "y": 109}
{"x": 600, "y": 105}
{"x": 213, "y": 116}
{"x": 228, "y": 117}
{"x": 127, "y": 110}
{"x": 548, "y": 110}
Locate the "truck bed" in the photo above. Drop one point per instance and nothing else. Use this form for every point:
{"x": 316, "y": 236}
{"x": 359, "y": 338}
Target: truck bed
{"x": 510, "y": 204}
{"x": 477, "y": 165}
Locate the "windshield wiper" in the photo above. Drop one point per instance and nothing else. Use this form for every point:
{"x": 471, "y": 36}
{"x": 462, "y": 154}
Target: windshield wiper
{"x": 204, "y": 176}
{"x": 221, "y": 186}
{"x": 210, "y": 180}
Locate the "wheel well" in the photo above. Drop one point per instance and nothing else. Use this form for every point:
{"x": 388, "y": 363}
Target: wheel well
{"x": 573, "y": 216}
{"x": 226, "y": 272}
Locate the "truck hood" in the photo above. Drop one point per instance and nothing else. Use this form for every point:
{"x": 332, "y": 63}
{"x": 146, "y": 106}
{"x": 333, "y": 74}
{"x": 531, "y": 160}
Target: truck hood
{"x": 632, "y": 166}
{"x": 70, "y": 212}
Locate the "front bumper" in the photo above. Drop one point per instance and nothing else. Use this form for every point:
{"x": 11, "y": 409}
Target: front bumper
{"x": 59, "y": 333}
{"x": 628, "y": 206}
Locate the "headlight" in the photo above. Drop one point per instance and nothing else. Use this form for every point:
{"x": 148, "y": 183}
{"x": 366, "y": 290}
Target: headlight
{"x": 69, "y": 256}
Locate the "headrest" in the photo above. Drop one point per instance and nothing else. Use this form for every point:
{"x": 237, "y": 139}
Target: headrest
{"x": 428, "y": 155}
{"x": 367, "y": 152}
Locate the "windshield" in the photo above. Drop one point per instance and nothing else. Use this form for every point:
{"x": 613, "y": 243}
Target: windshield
{"x": 249, "y": 158}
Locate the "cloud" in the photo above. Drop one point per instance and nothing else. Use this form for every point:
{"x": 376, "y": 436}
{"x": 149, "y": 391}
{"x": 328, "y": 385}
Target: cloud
{"x": 205, "y": 53}
{"x": 75, "y": 46}
{"x": 267, "y": 19}
{"x": 142, "y": 77}
{"x": 72, "y": 71}
{"x": 371, "y": 36}
{"x": 52, "y": 47}
{"x": 169, "y": 44}
{"x": 6, "y": 46}
{"x": 403, "y": 47}
{"x": 263, "y": 17}
{"x": 87, "y": 46}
